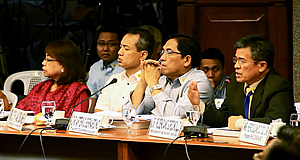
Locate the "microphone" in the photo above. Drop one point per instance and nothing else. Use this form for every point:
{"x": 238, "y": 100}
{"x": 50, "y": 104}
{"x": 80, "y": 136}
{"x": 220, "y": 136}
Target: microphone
{"x": 111, "y": 82}
{"x": 201, "y": 131}
{"x": 62, "y": 123}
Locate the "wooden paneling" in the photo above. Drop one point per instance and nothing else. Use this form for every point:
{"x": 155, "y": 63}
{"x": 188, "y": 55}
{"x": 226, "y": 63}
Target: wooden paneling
{"x": 221, "y": 27}
{"x": 221, "y": 23}
{"x": 186, "y": 14}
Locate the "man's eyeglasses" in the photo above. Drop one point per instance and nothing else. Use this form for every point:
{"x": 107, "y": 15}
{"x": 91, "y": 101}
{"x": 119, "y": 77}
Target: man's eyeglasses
{"x": 241, "y": 61}
{"x": 108, "y": 44}
{"x": 49, "y": 60}
{"x": 168, "y": 52}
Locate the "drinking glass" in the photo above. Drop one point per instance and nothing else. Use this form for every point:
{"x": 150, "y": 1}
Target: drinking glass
{"x": 193, "y": 114}
{"x": 128, "y": 115}
{"x": 295, "y": 119}
{"x": 1, "y": 107}
{"x": 48, "y": 109}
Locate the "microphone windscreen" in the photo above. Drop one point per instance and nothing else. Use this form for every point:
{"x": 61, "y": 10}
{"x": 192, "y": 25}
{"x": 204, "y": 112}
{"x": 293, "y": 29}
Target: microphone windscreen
{"x": 228, "y": 80}
{"x": 113, "y": 81}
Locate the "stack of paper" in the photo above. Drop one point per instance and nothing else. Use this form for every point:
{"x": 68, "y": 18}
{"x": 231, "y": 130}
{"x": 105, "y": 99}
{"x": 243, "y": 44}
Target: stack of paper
{"x": 226, "y": 132}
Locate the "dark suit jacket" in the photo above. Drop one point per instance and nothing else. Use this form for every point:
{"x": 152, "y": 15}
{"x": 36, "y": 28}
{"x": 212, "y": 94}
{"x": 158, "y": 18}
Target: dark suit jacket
{"x": 272, "y": 99}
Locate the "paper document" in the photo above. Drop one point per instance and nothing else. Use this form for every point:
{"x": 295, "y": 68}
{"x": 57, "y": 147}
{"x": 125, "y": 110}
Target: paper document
{"x": 113, "y": 114}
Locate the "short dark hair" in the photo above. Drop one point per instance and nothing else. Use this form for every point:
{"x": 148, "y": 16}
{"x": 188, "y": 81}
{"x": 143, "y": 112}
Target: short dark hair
{"x": 146, "y": 40}
{"x": 289, "y": 145}
{"x": 213, "y": 53}
{"x": 67, "y": 54}
{"x": 187, "y": 45}
{"x": 111, "y": 29}
{"x": 261, "y": 48}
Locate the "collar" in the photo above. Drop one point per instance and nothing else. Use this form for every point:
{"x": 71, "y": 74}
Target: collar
{"x": 252, "y": 86}
{"x": 136, "y": 75}
{"x": 180, "y": 79}
{"x": 112, "y": 65}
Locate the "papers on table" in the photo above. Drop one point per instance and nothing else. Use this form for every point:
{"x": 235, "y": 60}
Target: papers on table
{"x": 225, "y": 131}
{"x": 5, "y": 114}
{"x": 113, "y": 114}
{"x": 144, "y": 117}
{"x": 118, "y": 115}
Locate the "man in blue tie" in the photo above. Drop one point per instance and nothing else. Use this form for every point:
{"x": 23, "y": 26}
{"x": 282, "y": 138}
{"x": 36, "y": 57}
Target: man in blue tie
{"x": 256, "y": 91}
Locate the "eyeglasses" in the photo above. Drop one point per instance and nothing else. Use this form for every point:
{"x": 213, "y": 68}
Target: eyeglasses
{"x": 168, "y": 52}
{"x": 110, "y": 45}
{"x": 49, "y": 60}
{"x": 241, "y": 61}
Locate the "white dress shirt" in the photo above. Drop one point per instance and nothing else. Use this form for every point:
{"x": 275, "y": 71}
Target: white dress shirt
{"x": 114, "y": 96}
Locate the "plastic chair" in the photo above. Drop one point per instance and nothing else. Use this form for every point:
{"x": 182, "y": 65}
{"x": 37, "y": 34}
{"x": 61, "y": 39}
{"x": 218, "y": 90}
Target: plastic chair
{"x": 29, "y": 79}
{"x": 297, "y": 105}
{"x": 12, "y": 98}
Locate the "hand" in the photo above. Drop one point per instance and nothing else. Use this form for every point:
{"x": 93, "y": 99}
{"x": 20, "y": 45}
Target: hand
{"x": 193, "y": 93}
{"x": 152, "y": 72}
{"x": 142, "y": 77}
{"x": 232, "y": 120}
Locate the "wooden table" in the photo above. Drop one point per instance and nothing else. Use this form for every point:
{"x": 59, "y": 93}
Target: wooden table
{"x": 114, "y": 144}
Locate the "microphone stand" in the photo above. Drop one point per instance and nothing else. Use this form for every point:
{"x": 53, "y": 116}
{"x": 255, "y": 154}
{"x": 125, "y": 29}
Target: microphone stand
{"x": 111, "y": 82}
{"x": 62, "y": 123}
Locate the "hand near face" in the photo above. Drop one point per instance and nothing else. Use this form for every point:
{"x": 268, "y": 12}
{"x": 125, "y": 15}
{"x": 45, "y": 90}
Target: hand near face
{"x": 193, "y": 93}
{"x": 152, "y": 72}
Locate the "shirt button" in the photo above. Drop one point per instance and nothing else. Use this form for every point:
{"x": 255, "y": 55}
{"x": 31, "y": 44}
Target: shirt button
{"x": 122, "y": 97}
{"x": 128, "y": 84}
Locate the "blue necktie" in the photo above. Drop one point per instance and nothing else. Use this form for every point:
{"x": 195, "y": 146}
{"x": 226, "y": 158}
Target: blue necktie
{"x": 246, "y": 104}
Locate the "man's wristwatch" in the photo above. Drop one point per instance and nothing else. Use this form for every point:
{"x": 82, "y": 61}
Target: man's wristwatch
{"x": 155, "y": 87}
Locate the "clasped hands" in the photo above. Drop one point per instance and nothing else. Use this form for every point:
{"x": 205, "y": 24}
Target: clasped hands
{"x": 150, "y": 73}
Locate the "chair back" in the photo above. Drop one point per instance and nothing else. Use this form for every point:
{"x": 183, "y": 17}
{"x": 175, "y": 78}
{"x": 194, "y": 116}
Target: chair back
{"x": 12, "y": 98}
{"x": 29, "y": 79}
{"x": 297, "y": 105}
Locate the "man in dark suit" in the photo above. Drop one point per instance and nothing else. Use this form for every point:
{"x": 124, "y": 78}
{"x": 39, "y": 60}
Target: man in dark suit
{"x": 271, "y": 95}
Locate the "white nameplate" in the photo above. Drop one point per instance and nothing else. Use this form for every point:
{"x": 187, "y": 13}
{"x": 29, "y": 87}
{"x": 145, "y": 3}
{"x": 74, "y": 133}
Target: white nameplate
{"x": 165, "y": 127}
{"x": 218, "y": 102}
{"x": 16, "y": 118}
{"x": 84, "y": 123}
{"x": 255, "y": 132}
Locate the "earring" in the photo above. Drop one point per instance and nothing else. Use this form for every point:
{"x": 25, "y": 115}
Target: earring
{"x": 62, "y": 70}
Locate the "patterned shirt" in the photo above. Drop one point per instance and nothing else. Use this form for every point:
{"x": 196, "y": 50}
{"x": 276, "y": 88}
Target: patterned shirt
{"x": 65, "y": 97}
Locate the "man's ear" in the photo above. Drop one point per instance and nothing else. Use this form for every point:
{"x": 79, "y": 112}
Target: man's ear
{"x": 262, "y": 66}
{"x": 144, "y": 55}
{"x": 187, "y": 60}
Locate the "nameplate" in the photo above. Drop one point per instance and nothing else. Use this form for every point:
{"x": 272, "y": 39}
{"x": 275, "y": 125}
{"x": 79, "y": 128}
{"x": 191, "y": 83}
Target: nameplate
{"x": 218, "y": 102}
{"x": 255, "y": 132}
{"x": 165, "y": 127}
{"x": 84, "y": 123}
{"x": 16, "y": 118}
